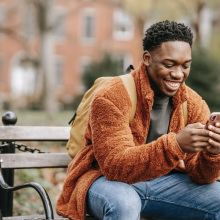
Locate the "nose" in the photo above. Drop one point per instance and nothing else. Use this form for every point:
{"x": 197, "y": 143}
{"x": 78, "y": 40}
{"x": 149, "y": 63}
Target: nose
{"x": 177, "y": 73}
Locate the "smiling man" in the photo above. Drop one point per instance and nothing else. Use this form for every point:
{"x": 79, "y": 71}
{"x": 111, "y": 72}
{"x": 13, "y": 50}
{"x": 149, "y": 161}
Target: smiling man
{"x": 131, "y": 169}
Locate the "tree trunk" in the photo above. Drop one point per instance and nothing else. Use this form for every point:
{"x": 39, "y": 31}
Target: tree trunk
{"x": 47, "y": 56}
{"x": 48, "y": 73}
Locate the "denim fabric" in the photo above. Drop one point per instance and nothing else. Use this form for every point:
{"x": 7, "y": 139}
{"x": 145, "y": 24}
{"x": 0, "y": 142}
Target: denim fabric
{"x": 173, "y": 197}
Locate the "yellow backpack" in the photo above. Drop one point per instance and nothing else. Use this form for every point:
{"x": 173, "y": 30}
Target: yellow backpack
{"x": 77, "y": 140}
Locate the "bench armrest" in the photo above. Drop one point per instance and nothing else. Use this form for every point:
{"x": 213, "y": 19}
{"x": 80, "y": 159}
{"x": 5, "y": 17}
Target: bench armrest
{"x": 40, "y": 190}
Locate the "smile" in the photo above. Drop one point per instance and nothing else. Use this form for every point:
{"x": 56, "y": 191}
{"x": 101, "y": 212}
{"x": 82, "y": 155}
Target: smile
{"x": 172, "y": 85}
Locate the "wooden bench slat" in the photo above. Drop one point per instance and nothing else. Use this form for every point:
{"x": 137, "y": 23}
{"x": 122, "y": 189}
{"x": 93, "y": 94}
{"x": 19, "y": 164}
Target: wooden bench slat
{"x": 34, "y": 133}
{"x": 42, "y": 160}
{"x": 41, "y": 217}
{"x": 31, "y": 218}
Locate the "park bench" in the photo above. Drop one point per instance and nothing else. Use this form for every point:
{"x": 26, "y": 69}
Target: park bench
{"x": 10, "y": 134}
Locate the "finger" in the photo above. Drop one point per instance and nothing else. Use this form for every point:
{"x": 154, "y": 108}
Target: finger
{"x": 213, "y": 150}
{"x": 197, "y": 125}
{"x": 214, "y": 147}
{"x": 198, "y": 139}
{"x": 215, "y": 128}
{"x": 214, "y": 136}
{"x": 214, "y": 143}
{"x": 217, "y": 124}
{"x": 200, "y": 132}
{"x": 201, "y": 144}
{"x": 199, "y": 149}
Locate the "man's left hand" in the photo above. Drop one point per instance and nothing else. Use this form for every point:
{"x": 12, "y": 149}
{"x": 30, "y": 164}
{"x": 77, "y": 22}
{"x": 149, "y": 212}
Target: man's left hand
{"x": 214, "y": 141}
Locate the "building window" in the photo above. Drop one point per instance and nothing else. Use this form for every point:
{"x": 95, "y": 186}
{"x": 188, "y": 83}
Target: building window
{"x": 88, "y": 25}
{"x": 123, "y": 27}
{"x": 23, "y": 80}
{"x": 59, "y": 30}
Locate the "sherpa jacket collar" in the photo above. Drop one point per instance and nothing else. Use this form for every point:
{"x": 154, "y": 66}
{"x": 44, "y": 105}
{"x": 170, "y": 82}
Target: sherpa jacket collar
{"x": 147, "y": 94}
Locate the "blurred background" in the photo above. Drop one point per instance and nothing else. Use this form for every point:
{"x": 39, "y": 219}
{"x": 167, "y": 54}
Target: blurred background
{"x": 51, "y": 51}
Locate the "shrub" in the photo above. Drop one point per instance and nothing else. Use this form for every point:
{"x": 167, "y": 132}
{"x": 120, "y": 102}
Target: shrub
{"x": 106, "y": 67}
{"x": 204, "y": 78}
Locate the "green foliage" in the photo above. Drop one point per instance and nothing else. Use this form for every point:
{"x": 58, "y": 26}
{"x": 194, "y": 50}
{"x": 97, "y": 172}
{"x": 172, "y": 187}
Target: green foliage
{"x": 204, "y": 78}
{"x": 106, "y": 67}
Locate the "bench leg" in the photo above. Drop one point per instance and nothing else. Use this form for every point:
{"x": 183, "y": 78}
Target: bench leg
{"x": 41, "y": 191}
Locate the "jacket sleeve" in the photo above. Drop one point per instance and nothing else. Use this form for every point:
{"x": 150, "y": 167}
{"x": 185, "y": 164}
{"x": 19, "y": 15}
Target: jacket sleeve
{"x": 118, "y": 157}
{"x": 202, "y": 167}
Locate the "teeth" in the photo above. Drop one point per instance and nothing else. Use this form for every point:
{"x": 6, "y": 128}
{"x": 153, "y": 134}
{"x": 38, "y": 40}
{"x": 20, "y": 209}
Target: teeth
{"x": 172, "y": 84}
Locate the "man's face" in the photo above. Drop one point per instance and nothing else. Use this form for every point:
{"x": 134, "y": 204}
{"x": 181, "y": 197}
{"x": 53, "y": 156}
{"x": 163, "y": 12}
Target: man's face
{"x": 168, "y": 67}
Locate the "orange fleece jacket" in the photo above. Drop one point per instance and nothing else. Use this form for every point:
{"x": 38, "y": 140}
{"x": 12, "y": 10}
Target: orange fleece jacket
{"x": 120, "y": 149}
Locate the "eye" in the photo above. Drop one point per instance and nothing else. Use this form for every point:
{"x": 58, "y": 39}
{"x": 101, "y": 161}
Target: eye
{"x": 186, "y": 67}
{"x": 168, "y": 65}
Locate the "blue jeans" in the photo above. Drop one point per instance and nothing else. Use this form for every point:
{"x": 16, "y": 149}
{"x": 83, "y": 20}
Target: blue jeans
{"x": 173, "y": 196}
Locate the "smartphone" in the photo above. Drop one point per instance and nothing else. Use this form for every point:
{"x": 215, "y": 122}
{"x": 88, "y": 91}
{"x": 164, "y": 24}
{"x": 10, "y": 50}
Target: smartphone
{"x": 213, "y": 118}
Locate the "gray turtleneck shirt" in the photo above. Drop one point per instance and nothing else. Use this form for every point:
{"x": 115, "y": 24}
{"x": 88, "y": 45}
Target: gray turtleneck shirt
{"x": 159, "y": 118}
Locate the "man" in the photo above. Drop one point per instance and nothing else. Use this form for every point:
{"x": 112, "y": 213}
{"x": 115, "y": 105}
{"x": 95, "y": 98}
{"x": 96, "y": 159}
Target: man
{"x": 128, "y": 170}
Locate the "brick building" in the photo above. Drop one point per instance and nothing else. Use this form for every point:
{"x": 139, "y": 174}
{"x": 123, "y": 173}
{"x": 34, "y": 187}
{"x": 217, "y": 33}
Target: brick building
{"x": 85, "y": 31}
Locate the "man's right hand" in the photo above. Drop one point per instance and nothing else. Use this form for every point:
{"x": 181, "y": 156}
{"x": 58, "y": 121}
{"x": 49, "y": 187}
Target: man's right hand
{"x": 193, "y": 138}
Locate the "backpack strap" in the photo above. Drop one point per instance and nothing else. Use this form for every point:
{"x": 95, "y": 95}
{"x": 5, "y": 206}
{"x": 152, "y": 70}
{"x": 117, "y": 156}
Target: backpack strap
{"x": 181, "y": 164}
{"x": 185, "y": 113}
{"x": 130, "y": 86}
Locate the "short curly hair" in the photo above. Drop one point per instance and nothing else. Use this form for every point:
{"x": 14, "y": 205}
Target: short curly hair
{"x": 165, "y": 31}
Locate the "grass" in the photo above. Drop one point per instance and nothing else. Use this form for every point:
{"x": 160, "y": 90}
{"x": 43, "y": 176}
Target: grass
{"x": 38, "y": 118}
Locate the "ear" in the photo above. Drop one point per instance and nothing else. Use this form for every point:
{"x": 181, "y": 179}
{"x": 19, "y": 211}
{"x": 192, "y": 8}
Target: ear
{"x": 147, "y": 58}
